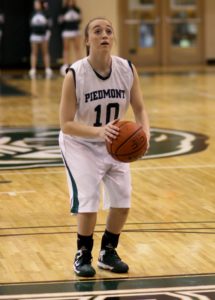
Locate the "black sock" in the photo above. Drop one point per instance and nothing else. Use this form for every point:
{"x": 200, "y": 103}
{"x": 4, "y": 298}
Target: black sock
{"x": 84, "y": 241}
{"x": 109, "y": 240}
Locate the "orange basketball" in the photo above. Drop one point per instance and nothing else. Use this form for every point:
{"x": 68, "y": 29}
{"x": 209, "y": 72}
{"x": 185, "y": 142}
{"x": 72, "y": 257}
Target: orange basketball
{"x": 130, "y": 144}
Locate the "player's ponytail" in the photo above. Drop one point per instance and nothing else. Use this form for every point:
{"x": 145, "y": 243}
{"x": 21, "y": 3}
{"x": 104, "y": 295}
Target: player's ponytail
{"x": 86, "y": 35}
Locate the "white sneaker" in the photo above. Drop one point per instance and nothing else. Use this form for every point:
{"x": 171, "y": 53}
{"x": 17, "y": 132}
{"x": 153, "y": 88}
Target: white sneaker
{"x": 32, "y": 73}
{"x": 49, "y": 73}
{"x": 63, "y": 70}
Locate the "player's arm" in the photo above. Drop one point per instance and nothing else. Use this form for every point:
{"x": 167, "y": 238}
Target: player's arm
{"x": 68, "y": 109}
{"x": 138, "y": 106}
{"x": 68, "y": 106}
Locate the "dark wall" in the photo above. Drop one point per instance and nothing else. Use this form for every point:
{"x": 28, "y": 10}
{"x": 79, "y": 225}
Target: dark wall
{"x": 55, "y": 42}
{"x": 15, "y": 45}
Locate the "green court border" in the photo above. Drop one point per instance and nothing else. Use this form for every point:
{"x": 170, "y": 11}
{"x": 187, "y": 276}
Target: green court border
{"x": 136, "y": 283}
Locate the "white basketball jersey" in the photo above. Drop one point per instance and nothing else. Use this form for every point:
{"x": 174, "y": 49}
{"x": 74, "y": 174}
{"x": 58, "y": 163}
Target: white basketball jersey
{"x": 100, "y": 100}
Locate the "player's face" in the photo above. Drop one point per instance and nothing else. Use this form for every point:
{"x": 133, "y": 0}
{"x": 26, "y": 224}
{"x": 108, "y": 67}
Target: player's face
{"x": 71, "y": 2}
{"x": 37, "y": 5}
{"x": 100, "y": 36}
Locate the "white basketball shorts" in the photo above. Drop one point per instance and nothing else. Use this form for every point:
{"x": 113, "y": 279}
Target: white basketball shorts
{"x": 88, "y": 164}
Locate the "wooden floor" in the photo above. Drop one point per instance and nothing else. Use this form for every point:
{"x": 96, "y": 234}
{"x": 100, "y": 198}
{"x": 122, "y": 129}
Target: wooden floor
{"x": 171, "y": 226}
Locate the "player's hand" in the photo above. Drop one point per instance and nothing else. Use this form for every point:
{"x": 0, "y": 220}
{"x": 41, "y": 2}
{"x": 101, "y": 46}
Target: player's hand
{"x": 148, "y": 142}
{"x": 109, "y": 132}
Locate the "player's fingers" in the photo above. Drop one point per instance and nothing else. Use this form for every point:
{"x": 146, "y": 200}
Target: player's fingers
{"x": 109, "y": 136}
{"x": 114, "y": 121}
{"x": 113, "y": 129}
{"x": 108, "y": 139}
{"x": 111, "y": 132}
{"x": 113, "y": 126}
{"x": 110, "y": 127}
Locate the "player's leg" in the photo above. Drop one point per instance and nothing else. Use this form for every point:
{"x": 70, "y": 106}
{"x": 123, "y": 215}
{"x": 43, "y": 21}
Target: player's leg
{"x": 46, "y": 58}
{"x": 118, "y": 192}
{"x": 116, "y": 219}
{"x": 83, "y": 181}
{"x": 83, "y": 258}
{"x": 66, "y": 48}
{"x": 33, "y": 59}
{"x": 77, "y": 47}
{"x": 86, "y": 223}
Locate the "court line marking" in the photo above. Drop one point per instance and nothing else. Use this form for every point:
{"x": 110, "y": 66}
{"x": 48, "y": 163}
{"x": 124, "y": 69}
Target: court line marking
{"x": 146, "y": 291}
{"x": 173, "y": 167}
{"x": 133, "y": 278}
{"x": 132, "y": 169}
{"x": 14, "y": 193}
{"x": 127, "y": 224}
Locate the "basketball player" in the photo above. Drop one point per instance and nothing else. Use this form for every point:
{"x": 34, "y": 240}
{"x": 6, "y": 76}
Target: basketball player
{"x": 70, "y": 19}
{"x": 39, "y": 37}
{"x": 97, "y": 90}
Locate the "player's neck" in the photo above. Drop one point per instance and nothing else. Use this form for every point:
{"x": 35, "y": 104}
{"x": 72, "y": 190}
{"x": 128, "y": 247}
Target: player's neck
{"x": 101, "y": 64}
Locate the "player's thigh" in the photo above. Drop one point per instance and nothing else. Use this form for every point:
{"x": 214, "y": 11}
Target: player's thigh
{"x": 44, "y": 47}
{"x": 83, "y": 174}
{"x": 117, "y": 187}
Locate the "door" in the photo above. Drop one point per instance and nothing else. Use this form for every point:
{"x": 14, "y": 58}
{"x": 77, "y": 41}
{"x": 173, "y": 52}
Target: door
{"x": 183, "y": 36}
{"x": 162, "y": 32}
{"x": 141, "y": 30}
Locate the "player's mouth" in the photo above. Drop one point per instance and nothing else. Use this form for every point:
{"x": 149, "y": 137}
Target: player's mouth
{"x": 104, "y": 43}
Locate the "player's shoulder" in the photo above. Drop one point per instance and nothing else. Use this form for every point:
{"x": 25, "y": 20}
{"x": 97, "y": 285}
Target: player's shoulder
{"x": 118, "y": 59}
{"x": 122, "y": 62}
{"x": 79, "y": 63}
{"x": 78, "y": 67}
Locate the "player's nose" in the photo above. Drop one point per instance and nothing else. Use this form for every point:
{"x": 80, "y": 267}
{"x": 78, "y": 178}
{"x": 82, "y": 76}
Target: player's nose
{"x": 104, "y": 34}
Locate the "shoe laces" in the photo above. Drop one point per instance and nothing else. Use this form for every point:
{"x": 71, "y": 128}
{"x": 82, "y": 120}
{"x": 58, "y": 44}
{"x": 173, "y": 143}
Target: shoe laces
{"x": 113, "y": 253}
{"x": 84, "y": 257}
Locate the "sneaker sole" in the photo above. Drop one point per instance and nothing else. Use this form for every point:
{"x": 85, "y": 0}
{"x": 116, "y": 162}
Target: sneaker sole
{"x": 109, "y": 268}
{"x": 78, "y": 273}
{"x": 103, "y": 266}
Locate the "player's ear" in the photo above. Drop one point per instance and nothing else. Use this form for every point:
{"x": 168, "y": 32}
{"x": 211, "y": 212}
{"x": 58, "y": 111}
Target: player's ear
{"x": 87, "y": 42}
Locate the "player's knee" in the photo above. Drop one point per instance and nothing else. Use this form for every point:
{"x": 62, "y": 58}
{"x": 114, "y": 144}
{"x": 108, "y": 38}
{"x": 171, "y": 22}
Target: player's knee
{"x": 123, "y": 211}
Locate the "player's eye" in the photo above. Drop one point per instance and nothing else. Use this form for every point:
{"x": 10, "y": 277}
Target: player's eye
{"x": 97, "y": 31}
{"x": 109, "y": 31}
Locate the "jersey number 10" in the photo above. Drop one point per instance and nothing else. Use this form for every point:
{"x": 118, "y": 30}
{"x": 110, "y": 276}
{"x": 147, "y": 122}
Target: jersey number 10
{"x": 111, "y": 108}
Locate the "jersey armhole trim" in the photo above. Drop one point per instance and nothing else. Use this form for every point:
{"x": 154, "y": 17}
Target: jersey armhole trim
{"x": 73, "y": 72}
{"x": 130, "y": 65}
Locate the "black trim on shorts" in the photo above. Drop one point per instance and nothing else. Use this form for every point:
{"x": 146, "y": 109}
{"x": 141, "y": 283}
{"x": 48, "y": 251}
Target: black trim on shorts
{"x": 74, "y": 201}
